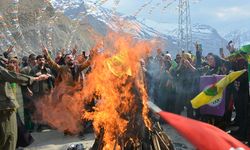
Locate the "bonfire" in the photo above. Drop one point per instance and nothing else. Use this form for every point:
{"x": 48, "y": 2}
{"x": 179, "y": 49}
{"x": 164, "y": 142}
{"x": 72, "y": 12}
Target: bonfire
{"x": 115, "y": 85}
{"x": 121, "y": 115}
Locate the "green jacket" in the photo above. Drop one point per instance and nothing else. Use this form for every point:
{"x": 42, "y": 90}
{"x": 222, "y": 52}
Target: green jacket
{"x": 41, "y": 87}
{"x": 7, "y": 96}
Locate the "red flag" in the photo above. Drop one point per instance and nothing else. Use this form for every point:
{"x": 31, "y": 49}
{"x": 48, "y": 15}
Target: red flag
{"x": 202, "y": 135}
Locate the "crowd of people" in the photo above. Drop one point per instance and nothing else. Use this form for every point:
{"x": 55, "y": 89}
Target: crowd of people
{"x": 24, "y": 82}
{"x": 171, "y": 83}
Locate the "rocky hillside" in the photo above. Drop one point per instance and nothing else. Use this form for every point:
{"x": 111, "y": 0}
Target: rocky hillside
{"x": 29, "y": 24}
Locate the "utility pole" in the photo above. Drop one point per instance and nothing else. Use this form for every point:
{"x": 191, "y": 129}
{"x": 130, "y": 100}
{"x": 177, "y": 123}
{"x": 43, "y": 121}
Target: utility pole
{"x": 184, "y": 26}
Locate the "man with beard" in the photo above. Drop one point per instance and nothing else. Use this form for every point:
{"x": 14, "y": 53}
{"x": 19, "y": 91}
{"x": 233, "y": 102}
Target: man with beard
{"x": 40, "y": 88}
{"x": 70, "y": 73}
{"x": 68, "y": 82}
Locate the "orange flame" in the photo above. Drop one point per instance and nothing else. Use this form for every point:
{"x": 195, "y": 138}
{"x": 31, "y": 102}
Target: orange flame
{"x": 116, "y": 85}
{"x": 115, "y": 76}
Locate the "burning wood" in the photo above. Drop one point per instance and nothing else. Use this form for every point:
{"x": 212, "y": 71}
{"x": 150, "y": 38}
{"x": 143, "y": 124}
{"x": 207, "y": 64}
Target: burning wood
{"x": 156, "y": 139}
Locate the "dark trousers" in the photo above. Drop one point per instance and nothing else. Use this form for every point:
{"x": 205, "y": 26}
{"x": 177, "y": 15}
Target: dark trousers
{"x": 231, "y": 95}
{"x": 28, "y": 109}
{"x": 8, "y": 130}
{"x": 241, "y": 113}
{"x": 183, "y": 99}
{"x": 241, "y": 106}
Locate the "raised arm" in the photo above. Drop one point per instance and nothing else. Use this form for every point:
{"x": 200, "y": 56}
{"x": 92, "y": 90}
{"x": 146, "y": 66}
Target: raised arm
{"x": 198, "y": 55}
{"x": 87, "y": 63}
{"x": 10, "y": 49}
{"x": 84, "y": 65}
{"x": 51, "y": 62}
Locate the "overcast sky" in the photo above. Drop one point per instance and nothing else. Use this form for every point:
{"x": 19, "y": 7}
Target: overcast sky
{"x": 224, "y": 15}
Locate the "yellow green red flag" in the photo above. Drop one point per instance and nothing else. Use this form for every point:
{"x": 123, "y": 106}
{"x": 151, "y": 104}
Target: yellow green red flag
{"x": 216, "y": 91}
{"x": 118, "y": 65}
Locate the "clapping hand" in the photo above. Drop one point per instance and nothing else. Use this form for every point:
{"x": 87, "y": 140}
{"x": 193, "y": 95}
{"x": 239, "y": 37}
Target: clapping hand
{"x": 42, "y": 77}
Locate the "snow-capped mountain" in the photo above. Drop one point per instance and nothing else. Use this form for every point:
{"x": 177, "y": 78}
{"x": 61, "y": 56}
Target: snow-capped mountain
{"x": 239, "y": 37}
{"x": 65, "y": 4}
{"x": 209, "y": 38}
{"x": 39, "y": 24}
{"x": 103, "y": 20}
